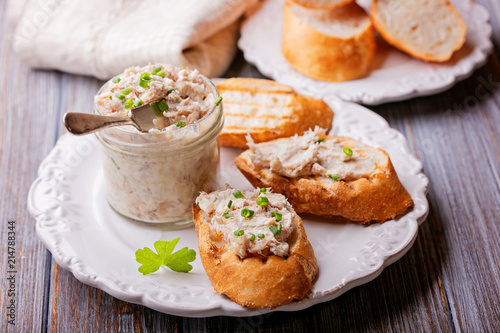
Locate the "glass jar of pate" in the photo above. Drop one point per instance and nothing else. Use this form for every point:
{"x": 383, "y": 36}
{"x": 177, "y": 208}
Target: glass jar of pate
{"x": 156, "y": 177}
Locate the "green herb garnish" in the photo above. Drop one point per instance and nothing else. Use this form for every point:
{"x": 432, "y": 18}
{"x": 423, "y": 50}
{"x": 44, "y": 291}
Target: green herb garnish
{"x": 277, "y": 216}
{"x": 177, "y": 261}
{"x": 247, "y": 212}
{"x": 334, "y": 177}
{"x": 238, "y": 232}
{"x": 110, "y": 97}
{"x": 227, "y": 215}
{"x": 262, "y": 201}
{"x": 138, "y": 103}
{"x": 156, "y": 109}
{"x": 252, "y": 237}
{"x": 116, "y": 80}
{"x": 163, "y": 105}
{"x": 156, "y": 70}
{"x": 181, "y": 68}
{"x": 120, "y": 96}
{"x": 217, "y": 102}
{"x": 144, "y": 81}
{"x": 161, "y": 73}
{"x": 126, "y": 91}
{"x": 238, "y": 194}
{"x": 230, "y": 203}
{"x": 170, "y": 91}
{"x": 261, "y": 235}
{"x": 347, "y": 151}
{"x": 320, "y": 140}
{"x": 263, "y": 190}
{"x": 128, "y": 104}
{"x": 275, "y": 230}
{"x": 180, "y": 124}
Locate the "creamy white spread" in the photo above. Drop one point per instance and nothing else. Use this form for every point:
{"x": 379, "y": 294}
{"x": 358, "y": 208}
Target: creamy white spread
{"x": 307, "y": 155}
{"x": 156, "y": 176}
{"x": 184, "y": 91}
{"x": 224, "y": 221}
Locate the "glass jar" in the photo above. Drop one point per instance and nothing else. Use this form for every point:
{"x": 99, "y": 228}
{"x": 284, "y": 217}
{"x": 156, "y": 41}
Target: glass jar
{"x": 157, "y": 177}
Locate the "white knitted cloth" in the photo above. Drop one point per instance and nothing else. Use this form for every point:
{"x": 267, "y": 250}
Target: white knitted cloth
{"x": 103, "y": 37}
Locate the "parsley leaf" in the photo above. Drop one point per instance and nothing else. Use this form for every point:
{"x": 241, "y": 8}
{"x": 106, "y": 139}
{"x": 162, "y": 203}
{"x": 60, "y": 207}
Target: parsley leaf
{"x": 177, "y": 261}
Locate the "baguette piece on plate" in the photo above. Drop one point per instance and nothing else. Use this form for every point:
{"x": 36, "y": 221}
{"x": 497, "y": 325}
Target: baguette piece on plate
{"x": 257, "y": 255}
{"x": 428, "y": 30}
{"x": 328, "y": 45}
{"x": 267, "y": 110}
{"x": 322, "y": 4}
{"x": 328, "y": 176}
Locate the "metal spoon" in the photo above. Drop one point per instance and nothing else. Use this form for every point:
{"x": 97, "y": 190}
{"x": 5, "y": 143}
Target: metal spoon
{"x": 85, "y": 123}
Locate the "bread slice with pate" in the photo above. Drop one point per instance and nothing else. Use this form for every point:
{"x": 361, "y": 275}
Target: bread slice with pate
{"x": 253, "y": 247}
{"x": 267, "y": 110}
{"x": 328, "y": 176}
{"x": 428, "y": 30}
{"x": 329, "y": 45}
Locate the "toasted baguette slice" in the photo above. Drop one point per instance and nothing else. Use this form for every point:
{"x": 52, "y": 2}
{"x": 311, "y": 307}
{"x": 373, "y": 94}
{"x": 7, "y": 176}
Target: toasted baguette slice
{"x": 258, "y": 272}
{"x": 328, "y": 45}
{"x": 322, "y": 4}
{"x": 267, "y": 110}
{"x": 321, "y": 179}
{"x": 428, "y": 30}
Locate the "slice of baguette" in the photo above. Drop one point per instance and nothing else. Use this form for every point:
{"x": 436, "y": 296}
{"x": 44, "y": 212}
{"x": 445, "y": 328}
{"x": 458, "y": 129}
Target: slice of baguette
{"x": 267, "y": 110}
{"x": 254, "y": 281}
{"x": 328, "y": 45}
{"x": 376, "y": 197}
{"x": 322, "y": 4}
{"x": 428, "y": 30}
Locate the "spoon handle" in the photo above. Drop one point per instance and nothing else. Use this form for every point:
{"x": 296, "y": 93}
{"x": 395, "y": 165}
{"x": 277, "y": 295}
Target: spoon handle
{"x": 85, "y": 123}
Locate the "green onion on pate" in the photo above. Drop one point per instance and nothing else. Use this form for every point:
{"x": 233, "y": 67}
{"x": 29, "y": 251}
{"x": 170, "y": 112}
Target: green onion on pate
{"x": 347, "y": 151}
{"x": 262, "y": 201}
{"x": 247, "y": 212}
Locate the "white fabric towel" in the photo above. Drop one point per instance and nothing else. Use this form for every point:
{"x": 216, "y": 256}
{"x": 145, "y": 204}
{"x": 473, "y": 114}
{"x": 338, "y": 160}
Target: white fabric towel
{"x": 103, "y": 37}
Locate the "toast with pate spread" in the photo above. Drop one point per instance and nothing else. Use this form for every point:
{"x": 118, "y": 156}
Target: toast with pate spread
{"x": 428, "y": 30}
{"x": 328, "y": 176}
{"x": 329, "y": 45}
{"x": 267, "y": 110}
{"x": 253, "y": 247}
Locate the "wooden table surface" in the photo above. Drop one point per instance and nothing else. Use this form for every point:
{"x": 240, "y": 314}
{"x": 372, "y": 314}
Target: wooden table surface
{"x": 448, "y": 282}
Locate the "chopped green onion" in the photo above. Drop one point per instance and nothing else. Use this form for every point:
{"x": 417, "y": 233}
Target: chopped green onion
{"x": 279, "y": 228}
{"x": 116, "y": 80}
{"x": 263, "y": 190}
{"x": 156, "y": 109}
{"x": 181, "y": 68}
{"x": 320, "y": 140}
{"x": 277, "y": 216}
{"x": 110, "y": 97}
{"x": 156, "y": 70}
{"x": 161, "y": 73}
{"x": 238, "y": 194}
{"x": 119, "y": 96}
{"x": 247, "y": 212}
{"x": 261, "y": 235}
{"x": 170, "y": 91}
{"x": 112, "y": 90}
{"x": 144, "y": 81}
{"x": 262, "y": 201}
{"x": 238, "y": 232}
{"x": 230, "y": 203}
{"x": 138, "y": 103}
{"x": 163, "y": 105}
{"x": 126, "y": 91}
{"x": 180, "y": 124}
{"x": 347, "y": 151}
{"x": 334, "y": 177}
{"x": 217, "y": 102}
{"x": 146, "y": 76}
{"x": 252, "y": 237}
{"x": 128, "y": 104}
{"x": 227, "y": 215}
{"x": 274, "y": 230}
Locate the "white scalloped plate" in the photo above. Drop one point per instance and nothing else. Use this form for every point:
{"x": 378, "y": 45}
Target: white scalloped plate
{"x": 395, "y": 76}
{"x": 97, "y": 245}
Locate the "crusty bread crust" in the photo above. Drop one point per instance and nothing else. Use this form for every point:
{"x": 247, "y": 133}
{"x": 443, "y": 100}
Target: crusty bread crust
{"x": 390, "y": 38}
{"x": 306, "y": 113}
{"x": 376, "y": 199}
{"x": 254, "y": 282}
{"x": 322, "y": 4}
{"x": 324, "y": 57}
